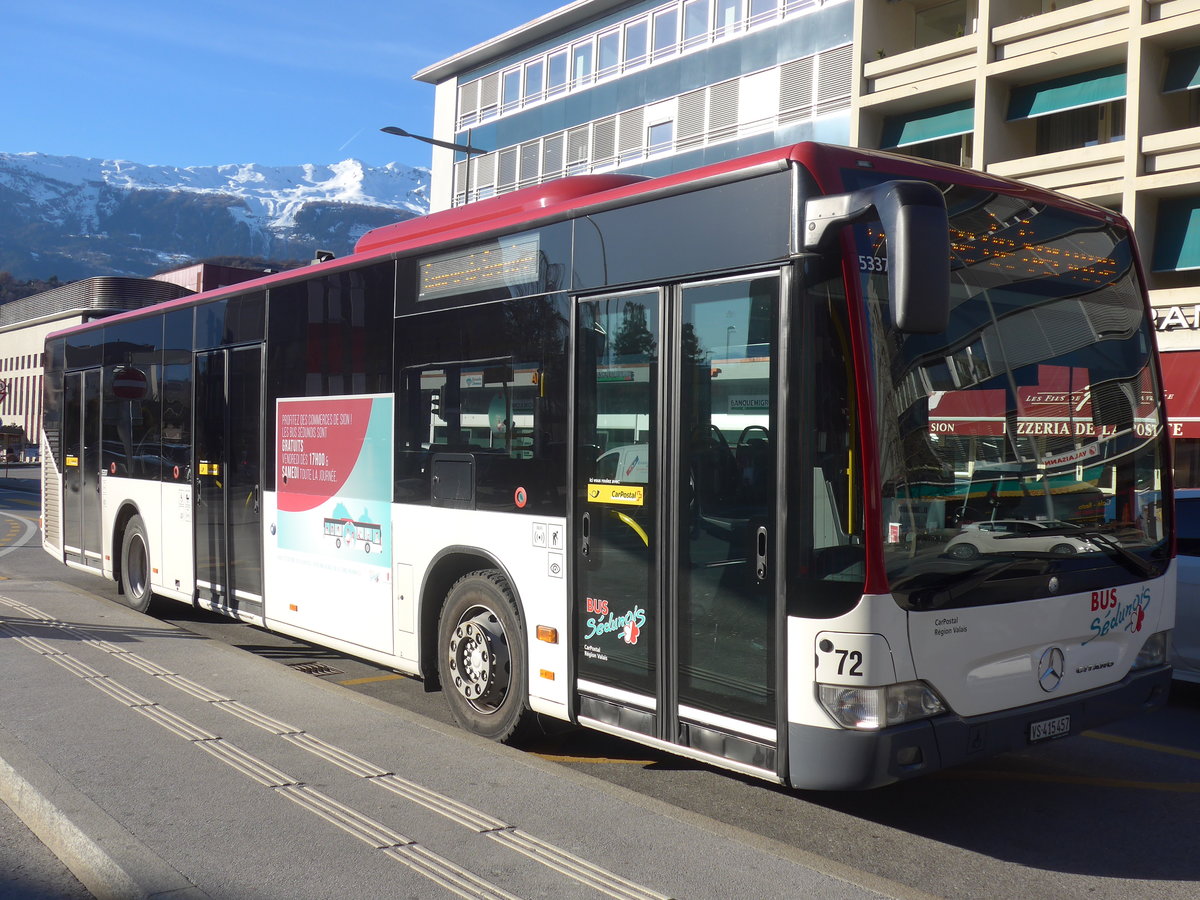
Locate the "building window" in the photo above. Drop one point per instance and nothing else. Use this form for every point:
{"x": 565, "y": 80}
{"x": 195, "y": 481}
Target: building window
{"x": 944, "y": 22}
{"x": 510, "y": 90}
{"x": 556, "y": 83}
{"x": 1085, "y": 127}
{"x": 762, "y": 11}
{"x": 955, "y": 150}
{"x": 660, "y": 137}
{"x": 608, "y": 47}
{"x": 533, "y": 80}
{"x": 695, "y": 22}
{"x": 666, "y": 33}
{"x": 637, "y": 35}
{"x": 581, "y": 64}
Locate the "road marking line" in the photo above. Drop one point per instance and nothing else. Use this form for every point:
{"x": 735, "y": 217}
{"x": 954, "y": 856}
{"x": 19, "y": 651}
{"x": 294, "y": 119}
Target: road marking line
{"x": 29, "y": 531}
{"x": 1143, "y": 745}
{"x": 374, "y": 678}
{"x": 552, "y": 757}
{"x": 1179, "y": 787}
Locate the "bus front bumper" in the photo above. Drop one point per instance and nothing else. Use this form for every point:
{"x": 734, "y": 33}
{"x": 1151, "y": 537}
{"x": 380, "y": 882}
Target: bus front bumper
{"x": 843, "y": 760}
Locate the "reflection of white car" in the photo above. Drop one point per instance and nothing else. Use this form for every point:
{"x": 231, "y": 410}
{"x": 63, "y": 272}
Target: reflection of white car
{"x": 1185, "y": 639}
{"x": 629, "y": 464}
{"x": 1017, "y": 535}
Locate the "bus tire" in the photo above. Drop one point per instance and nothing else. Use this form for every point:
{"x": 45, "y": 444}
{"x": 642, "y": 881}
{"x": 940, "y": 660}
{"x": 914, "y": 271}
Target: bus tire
{"x": 481, "y": 652}
{"x": 135, "y": 566}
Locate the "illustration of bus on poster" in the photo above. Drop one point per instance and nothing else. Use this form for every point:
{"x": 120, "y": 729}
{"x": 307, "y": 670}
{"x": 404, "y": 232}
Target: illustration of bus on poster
{"x": 347, "y": 533}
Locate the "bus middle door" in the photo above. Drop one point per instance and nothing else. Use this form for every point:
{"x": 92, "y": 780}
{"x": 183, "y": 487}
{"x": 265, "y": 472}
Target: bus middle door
{"x": 82, "y": 539}
{"x": 227, "y": 488}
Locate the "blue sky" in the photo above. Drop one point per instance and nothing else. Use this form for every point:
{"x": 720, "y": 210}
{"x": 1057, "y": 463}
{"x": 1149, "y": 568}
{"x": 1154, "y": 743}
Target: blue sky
{"x": 232, "y": 81}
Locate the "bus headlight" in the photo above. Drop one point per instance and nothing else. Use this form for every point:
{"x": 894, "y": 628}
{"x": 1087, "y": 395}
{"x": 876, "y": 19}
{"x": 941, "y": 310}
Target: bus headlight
{"x": 1153, "y": 652}
{"x": 872, "y": 708}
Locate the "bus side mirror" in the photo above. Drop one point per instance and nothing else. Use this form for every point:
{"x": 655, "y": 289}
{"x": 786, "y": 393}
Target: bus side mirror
{"x": 913, "y": 216}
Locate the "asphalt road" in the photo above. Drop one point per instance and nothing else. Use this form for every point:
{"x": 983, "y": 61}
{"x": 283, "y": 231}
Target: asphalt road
{"x": 28, "y": 870}
{"x": 1109, "y": 814}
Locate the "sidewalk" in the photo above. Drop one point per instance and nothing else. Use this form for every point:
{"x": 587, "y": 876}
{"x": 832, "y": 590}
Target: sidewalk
{"x": 157, "y": 763}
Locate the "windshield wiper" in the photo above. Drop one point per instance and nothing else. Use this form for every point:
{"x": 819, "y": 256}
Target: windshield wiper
{"x": 948, "y": 586}
{"x": 1109, "y": 545}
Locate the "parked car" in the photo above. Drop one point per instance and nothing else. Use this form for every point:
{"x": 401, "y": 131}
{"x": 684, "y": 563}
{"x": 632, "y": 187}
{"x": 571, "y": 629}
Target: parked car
{"x": 1185, "y": 639}
{"x": 1009, "y": 535}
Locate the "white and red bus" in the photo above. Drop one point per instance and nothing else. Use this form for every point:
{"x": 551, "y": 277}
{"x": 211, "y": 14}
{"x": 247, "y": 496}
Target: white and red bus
{"x": 823, "y": 465}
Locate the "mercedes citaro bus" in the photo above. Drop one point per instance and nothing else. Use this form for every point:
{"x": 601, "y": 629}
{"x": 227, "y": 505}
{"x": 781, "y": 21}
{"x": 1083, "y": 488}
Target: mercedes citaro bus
{"x": 680, "y": 459}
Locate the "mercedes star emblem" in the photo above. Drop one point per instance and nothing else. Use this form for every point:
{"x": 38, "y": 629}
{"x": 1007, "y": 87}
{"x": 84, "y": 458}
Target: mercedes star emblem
{"x": 1050, "y": 669}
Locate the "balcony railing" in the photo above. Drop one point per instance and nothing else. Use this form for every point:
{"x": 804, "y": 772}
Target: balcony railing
{"x": 924, "y": 63}
{"x": 1170, "y": 151}
{"x": 1056, "y": 29}
{"x": 1088, "y": 172}
{"x": 1165, "y": 9}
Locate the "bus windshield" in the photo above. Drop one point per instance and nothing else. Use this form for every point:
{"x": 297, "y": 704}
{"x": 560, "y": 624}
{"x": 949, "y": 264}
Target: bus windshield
{"x": 1021, "y": 450}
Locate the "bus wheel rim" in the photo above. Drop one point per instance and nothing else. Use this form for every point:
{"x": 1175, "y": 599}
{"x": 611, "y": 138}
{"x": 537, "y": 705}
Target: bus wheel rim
{"x": 136, "y": 563}
{"x": 479, "y": 659}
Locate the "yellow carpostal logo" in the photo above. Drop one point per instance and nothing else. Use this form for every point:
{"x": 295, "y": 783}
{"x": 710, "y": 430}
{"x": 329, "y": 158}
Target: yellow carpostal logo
{"x": 72, "y": 460}
{"x": 619, "y": 494}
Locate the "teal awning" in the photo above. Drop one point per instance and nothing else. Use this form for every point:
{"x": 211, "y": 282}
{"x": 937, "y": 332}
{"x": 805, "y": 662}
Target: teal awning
{"x": 1068, "y": 92}
{"x": 1183, "y": 70}
{"x": 928, "y": 124}
{"x": 1177, "y": 241}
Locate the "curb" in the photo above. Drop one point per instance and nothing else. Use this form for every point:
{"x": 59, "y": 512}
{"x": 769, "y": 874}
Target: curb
{"x": 109, "y": 861}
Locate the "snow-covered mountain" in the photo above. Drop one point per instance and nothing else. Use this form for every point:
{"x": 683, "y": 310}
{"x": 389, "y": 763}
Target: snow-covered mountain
{"x": 74, "y": 217}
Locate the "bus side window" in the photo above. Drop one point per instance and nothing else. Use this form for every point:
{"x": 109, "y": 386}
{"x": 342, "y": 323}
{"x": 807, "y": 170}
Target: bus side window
{"x": 489, "y": 381}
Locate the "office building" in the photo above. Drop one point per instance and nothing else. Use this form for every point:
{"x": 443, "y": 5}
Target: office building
{"x": 643, "y": 88}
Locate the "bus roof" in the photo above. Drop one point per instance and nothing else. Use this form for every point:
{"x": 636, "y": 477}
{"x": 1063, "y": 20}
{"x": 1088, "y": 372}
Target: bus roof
{"x": 583, "y": 194}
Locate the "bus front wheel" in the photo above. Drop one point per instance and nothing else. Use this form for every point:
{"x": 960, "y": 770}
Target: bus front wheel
{"x": 482, "y": 656}
{"x": 135, "y": 566}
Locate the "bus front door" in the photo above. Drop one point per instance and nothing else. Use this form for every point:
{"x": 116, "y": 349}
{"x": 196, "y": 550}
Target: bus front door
{"x": 226, "y": 472}
{"x": 675, "y": 507}
{"x": 82, "y": 539}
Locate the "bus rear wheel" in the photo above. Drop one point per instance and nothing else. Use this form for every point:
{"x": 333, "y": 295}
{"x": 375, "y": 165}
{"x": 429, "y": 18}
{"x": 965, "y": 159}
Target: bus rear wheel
{"x": 482, "y": 656}
{"x": 135, "y": 566}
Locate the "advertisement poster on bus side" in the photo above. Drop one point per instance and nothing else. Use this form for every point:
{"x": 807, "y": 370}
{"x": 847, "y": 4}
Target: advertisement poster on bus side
{"x": 333, "y": 458}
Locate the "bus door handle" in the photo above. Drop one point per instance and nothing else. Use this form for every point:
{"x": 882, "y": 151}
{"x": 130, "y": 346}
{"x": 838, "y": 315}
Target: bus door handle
{"x": 760, "y": 553}
{"x": 585, "y": 532}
